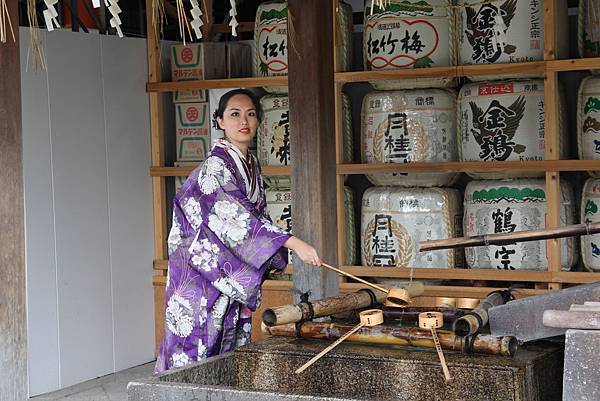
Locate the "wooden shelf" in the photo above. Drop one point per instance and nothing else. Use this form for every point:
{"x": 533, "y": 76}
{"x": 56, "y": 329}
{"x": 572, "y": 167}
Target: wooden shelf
{"x": 267, "y": 171}
{"x": 575, "y": 277}
{"x": 470, "y": 167}
{"x": 251, "y": 82}
{"x": 452, "y": 291}
{"x": 450, "y": 274}
{"x": 534, "y": 67}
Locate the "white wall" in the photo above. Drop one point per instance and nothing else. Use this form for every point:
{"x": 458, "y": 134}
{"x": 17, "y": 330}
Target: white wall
{"x": 88, "y": 209}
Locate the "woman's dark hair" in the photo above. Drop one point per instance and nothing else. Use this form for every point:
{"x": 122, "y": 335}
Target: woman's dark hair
{"x": 225, "y": 99}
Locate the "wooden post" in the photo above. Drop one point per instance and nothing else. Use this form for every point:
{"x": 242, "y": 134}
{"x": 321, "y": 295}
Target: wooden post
{"x": 13, "y": 319}
{"x": 157, "y": 160}
{"x": 157, "y": 140}
{"x": 311, "y": 94}
{"x": 551, "y": 102}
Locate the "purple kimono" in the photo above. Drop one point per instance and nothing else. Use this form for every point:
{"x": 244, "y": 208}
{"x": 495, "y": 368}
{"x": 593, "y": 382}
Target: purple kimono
{"x": 221, "y": 245}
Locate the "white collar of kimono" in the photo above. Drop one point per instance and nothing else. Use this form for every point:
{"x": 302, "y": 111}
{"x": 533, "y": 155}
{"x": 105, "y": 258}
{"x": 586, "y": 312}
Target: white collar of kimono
{"x": 245, "y": 165}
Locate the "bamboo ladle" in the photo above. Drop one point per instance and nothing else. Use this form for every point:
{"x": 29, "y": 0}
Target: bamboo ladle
{"x": 395, "y": 296}
{"x": 371, "y": 317}
{"x": 432, "y": 321}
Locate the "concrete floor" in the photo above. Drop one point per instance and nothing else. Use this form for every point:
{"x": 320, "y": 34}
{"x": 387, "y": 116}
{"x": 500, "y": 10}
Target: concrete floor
{"x": 106, "y": 388}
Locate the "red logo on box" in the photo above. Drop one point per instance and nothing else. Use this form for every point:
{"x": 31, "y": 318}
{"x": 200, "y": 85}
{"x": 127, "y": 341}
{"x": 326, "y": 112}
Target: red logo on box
{"x": 191, "y": 113}
{"x": 497, "y": 89}
{"x": 187, "y": 55}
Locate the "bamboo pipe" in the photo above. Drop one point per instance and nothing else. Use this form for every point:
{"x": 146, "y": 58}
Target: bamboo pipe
{"x": 398, "y": 296}
{"x": 403, "y": 336}
{"x": 322, "y": 307}
{"x": 411, "y": 315}
{"x": 511, "y": 238}
{"x": 475, "y": 320}
{"x": 368, "y": 318}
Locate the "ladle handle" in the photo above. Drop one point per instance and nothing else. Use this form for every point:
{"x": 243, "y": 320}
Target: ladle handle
{"x": 440, "y": 353}
{"x": 355, "y": 278}
{"x": 326, "y": 350}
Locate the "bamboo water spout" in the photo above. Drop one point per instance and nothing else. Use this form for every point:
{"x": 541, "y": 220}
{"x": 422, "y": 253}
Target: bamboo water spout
{"x": 322, "y": 307}
{"x": 511, "y": 238}
{"x": 476, "y": 319}
{"x": 402, "y": 336}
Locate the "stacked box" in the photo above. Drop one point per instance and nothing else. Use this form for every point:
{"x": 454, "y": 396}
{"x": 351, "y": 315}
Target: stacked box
{"x": 197, "y": 61}
{"x": 192, "y": 125}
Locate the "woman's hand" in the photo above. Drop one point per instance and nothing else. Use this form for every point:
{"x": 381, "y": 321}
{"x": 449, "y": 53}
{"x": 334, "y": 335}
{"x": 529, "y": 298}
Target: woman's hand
{"x": 305, "y": 252}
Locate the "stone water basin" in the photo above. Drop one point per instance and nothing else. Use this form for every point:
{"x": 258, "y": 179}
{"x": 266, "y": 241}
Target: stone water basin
{"x": 265, "y": 371}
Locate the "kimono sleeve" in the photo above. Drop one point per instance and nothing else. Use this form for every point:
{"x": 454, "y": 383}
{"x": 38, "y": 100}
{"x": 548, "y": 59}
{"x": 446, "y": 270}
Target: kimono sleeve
{"x": 233, "y": 219}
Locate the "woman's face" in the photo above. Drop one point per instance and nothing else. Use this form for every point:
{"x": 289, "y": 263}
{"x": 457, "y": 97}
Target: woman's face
{"x": 240, "y": 120}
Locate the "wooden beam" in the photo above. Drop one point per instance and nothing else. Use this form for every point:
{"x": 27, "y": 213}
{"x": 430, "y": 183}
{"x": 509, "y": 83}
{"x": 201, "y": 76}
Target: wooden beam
{"x": 450, "y": 274}
{"x": 311, "y": 94}
{"x": 471, "y": 167}
{"x": 251, "y": 82}
{"x": 13, "y": 318}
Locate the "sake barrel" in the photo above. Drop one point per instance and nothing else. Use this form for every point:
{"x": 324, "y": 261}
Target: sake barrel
{"x": 273, "y": 137}
{"x": 394, "y": 220}
{"x": 404, "y": 34}
{"x": 279, "y": 206}
{"x": 588, "y": 120}
{"x": 590, "y": 244}
{"x": 507, "y": 31}
{"x": 409, "y": 126}
{"x": 503, "y": 206}
{"x": 589, "y": 28}
{"x": 501, "y": 121}
{"x": 271, "y": 47}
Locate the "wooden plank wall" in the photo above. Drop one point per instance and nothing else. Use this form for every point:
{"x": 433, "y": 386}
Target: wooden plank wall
{"x": 13, "y": 329}
{"x": 310, "y": 57}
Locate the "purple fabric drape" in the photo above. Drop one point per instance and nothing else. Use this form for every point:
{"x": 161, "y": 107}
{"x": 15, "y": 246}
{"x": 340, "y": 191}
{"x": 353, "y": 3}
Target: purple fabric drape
{"x": 220, "y": 247}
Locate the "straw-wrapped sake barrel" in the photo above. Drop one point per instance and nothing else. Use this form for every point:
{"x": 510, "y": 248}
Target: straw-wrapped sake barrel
{"x": 502, "y": 121}
{"x": 509, "y": 206}
{"x": 406, "y": 34}
{"x": 279, "y": 206}
{"x": 410, "y": 126}
{"x": 588, "y": 120}
{"x": 589, "y": 28}
{"x": 590, "y": 244}
{"x": 271, "y": 47}
{"x": 507, "y": 31}
{"x": 350, "y": 227}
{"x": 394, "y": 220}
{"x": 273, "y": 137}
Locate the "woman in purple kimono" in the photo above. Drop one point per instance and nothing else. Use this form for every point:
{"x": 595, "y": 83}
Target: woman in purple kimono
{"x": 221, "y": 245}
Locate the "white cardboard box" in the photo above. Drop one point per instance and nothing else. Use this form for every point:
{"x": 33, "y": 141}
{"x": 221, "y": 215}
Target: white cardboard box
{"x": 192, "y": 126}
{"x": 197, "y": 61}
